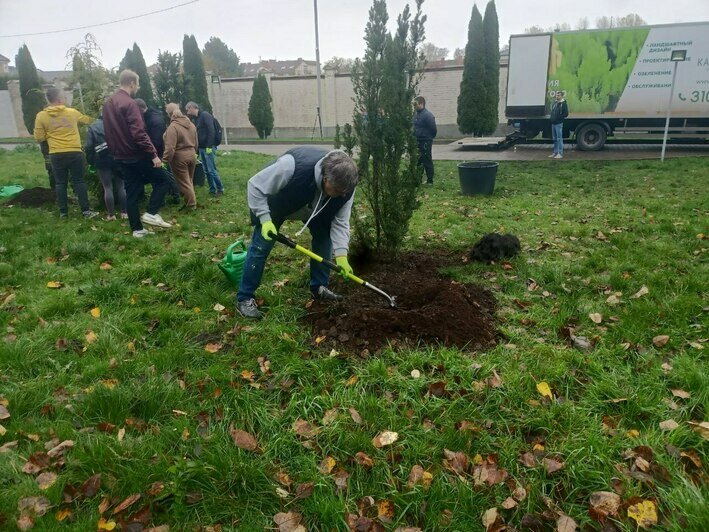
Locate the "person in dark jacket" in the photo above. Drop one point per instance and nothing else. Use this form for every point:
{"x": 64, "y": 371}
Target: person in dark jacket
{"x": 98, "y": 156}
{"x": 155, "y": 128}
{"x": 425, "y": 131}
{"x": 559, "y": 111}
{"x": 206, "y": 135}
{"x": 135, "y": 155}
{"x": 308, "y": 184}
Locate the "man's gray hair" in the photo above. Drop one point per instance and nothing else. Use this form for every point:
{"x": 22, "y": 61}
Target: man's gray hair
{"x": 340, "y": 170}
{"x": 191, "y": 104}
{"x": 53, "y": 94}
{"x": 141, "y": 104}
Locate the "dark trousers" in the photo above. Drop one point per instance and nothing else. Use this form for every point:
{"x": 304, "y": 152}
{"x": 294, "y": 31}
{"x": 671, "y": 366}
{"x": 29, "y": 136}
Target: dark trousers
{"x": 135, "y": 176}
{"x": 63, "y": 165}
{"x": 426, "y": 158}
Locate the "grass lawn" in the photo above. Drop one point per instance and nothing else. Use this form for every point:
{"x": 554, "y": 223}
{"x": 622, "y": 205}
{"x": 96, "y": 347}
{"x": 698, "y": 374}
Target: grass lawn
{"x": 135, "y": 361}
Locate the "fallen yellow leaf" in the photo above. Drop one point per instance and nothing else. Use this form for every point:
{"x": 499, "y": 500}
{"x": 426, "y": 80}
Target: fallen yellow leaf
{"x": 54, "y": 284}
{"x": 544, "y": 390}
{"x": 91, "y": 337}
{"x": 106, "y": 266}
{"x": 96, "y": 312}
{"x": 644, "y": 514}
{"x": 62, "y": 514}
{"x": 633, "y": 433}
{"x": 212, "y": 348}
{"x": 110, "y": 383}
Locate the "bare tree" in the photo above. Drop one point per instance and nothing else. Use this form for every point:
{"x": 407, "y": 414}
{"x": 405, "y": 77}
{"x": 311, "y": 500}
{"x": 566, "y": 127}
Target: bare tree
{"x": 534, "y": 29}
{"x": 459, "y": 53}
{"x": 583, "y": 24}
{"x": 564, "y": 26}
{"x": 341, "y": 64}
{"x": 433, "y": 53}
{"x": 630, "y": 20}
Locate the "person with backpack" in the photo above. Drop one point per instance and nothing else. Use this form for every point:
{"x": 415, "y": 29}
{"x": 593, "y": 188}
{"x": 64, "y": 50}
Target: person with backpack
{"x": 99, "y": 157}
{"x": 209, "y": 136}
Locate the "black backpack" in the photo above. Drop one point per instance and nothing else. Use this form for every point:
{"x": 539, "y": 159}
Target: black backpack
{"x": 218, "y": 132}
{"x": 100, "y": 156}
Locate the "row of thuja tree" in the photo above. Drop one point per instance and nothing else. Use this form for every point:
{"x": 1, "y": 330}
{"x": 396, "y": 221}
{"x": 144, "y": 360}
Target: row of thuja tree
{"x": 178, "y": 77}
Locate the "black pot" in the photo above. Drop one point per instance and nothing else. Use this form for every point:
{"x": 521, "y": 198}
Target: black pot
{"x": 199, "y": 178}
{"x": 477, "y": 177}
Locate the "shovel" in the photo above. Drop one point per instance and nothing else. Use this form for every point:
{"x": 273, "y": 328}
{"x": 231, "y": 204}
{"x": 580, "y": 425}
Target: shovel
{"x": 286, "y": 241}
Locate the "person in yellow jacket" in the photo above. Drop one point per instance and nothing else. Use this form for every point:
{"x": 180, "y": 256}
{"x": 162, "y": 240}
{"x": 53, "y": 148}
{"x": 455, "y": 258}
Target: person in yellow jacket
{"x": 58, "y": 126}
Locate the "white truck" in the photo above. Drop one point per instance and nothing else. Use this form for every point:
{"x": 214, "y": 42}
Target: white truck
{"x": 617, "y": 82}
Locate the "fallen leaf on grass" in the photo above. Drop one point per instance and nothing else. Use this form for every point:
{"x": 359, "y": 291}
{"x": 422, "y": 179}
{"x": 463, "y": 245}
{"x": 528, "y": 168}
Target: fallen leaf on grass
{"x": 96, "y": 312}
{"x": 213, "y": 348}
{"x": 604, "y": 504}
{"x": 519, "y": 494}
{"x": 661, "y": 340}
{"x": 304, "y": 429}
{"x": 614, "y": 299}
{"x": 356, "y": 417}
{"x": 305, "y": 490}
{"x": 384, "y": 438}
{"x": 509, "y": 503}
{"x": 54, "y": 284}
{"x": 415, "y": 374}
{"x": 385, "y": 511}
{"x": 495, "y": 381}
{"x": 364, "y": 460}
{"x": 106, "y": 524}
{"x": 329, "y": 417}
{"x": 680, "y": 393}
{"x": 643, "y": 513}
{"x": 25, "y": 522}
{"x": 46, "y": 480}
{"x": 669, "y": 424}
{"x": 4, "y": 413}
{"x": 544, "y": 390}
{"x": 243, "y": 440}
{"x": 327, "y": 465}
{"x": 528, "y": 459}
{"x": 105, "y": 266}
{"x": 341, "y": 477}
{"x": 62, "y": 514}
{"x": 289, "y": 522}
{"x": 640, "y": 293}
{"x": 702, "y": 428}
{"x": 490, "y": 518}
{"x": 456, "y": 462}
{"x": 596, "y": 317}
{"x": 91, "y": 337}
{"x": 34, "y": 505}
{"x": 565, "y": 524}
{"x": 419, "y": 475}
{"x": 128, "y": 501}
{"x": 552, "y": 466}
{"x": 91, "y": 486}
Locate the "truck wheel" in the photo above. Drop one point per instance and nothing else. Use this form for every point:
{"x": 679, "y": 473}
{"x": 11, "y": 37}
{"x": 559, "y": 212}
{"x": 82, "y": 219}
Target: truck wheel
{"x": 591, "y": 137}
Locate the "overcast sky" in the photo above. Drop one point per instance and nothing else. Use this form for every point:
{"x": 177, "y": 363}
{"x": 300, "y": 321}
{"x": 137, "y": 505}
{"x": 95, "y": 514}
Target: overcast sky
{"x": 284, "y": 29}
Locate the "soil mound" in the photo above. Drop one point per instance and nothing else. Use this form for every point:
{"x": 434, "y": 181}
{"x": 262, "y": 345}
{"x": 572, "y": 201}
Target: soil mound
{"x": 33, "y": 197}
{"x": 431, "y": 309}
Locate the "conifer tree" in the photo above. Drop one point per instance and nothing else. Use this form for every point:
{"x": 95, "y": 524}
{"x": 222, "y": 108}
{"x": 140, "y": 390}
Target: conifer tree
{"x": 260, "y": 112}
{"x": 33, "y": 100}
{"x": 134, "y": 60}
{"x": 195, "y": 88}
{"x": 472, "y": 87}
{"x": 491, "y": 41}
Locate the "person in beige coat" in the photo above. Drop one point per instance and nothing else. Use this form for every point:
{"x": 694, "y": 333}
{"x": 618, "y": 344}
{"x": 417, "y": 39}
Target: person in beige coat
{"x": 180, "y": 149}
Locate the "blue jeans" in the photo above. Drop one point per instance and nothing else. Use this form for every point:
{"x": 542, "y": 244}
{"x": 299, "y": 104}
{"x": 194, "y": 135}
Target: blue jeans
{"x": 210, "y": 169}
{"x": 557, "y": 134}
{"x": 258, "y": 253}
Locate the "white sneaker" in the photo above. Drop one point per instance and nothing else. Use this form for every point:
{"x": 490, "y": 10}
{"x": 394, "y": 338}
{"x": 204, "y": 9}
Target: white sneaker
{"x": 142, "y": 233}
{"x": 552, "y": 155}
{"x": 154, "y": 219}
{"x": 558, "y": 156}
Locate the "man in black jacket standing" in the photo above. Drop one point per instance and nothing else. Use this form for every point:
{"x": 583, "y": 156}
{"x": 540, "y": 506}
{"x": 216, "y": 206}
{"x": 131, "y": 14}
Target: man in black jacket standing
{"x": 206, "y": 136}
{"x": 155, "y": 128}
{"x": 559, "y": 111}
{"x": 425, "y": 131}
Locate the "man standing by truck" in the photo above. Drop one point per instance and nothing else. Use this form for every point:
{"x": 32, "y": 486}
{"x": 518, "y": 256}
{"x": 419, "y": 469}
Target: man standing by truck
{"x": 559, "y": 111}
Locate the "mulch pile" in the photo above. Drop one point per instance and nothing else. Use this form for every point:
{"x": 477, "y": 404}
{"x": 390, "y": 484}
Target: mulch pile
{"x": 431, "y": 309}
{"x": 33, "y": 197}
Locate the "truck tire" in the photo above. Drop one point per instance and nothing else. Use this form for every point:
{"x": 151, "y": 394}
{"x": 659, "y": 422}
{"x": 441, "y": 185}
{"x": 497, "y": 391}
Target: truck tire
{"x": 529, "y": 131}
{"x": 591, "y": 137}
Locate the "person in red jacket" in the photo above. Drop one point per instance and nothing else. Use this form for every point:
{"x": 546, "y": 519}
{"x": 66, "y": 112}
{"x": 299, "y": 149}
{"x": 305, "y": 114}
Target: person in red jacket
{"x": 134, "y": 154}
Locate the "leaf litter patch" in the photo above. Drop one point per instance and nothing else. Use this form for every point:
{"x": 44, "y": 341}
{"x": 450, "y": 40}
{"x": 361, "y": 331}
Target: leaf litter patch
{"x": 431, "y": 309}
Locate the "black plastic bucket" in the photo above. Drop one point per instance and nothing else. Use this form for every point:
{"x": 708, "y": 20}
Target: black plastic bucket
{"x": 199, "y": 178}
{"x": 477, "y": 177}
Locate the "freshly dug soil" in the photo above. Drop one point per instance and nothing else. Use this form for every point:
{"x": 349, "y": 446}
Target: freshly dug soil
{"x": 431, "y": 309}
{"x": 33, "y": 197}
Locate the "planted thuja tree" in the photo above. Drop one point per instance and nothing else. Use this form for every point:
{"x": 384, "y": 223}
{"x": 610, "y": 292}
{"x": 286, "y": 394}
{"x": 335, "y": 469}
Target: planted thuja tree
{"x": 472, "y": 88}
{"x": 168, "y": 79}
{"x": 30, "y": 87}
{"x": 491, "y": 50}
{"x": 385, "y": 82}
{"x": 260, "y": 112}
{"x": 91, "y": 80}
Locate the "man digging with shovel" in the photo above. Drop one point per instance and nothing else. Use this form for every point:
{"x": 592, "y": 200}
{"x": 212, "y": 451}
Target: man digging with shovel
{"x": 307, "y": 184}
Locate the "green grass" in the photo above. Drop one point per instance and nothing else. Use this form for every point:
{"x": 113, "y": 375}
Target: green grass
{"x": 588, "y": 229}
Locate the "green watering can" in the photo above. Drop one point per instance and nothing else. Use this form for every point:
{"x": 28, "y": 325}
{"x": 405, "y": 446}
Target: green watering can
{"x": 233, "y": 262}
